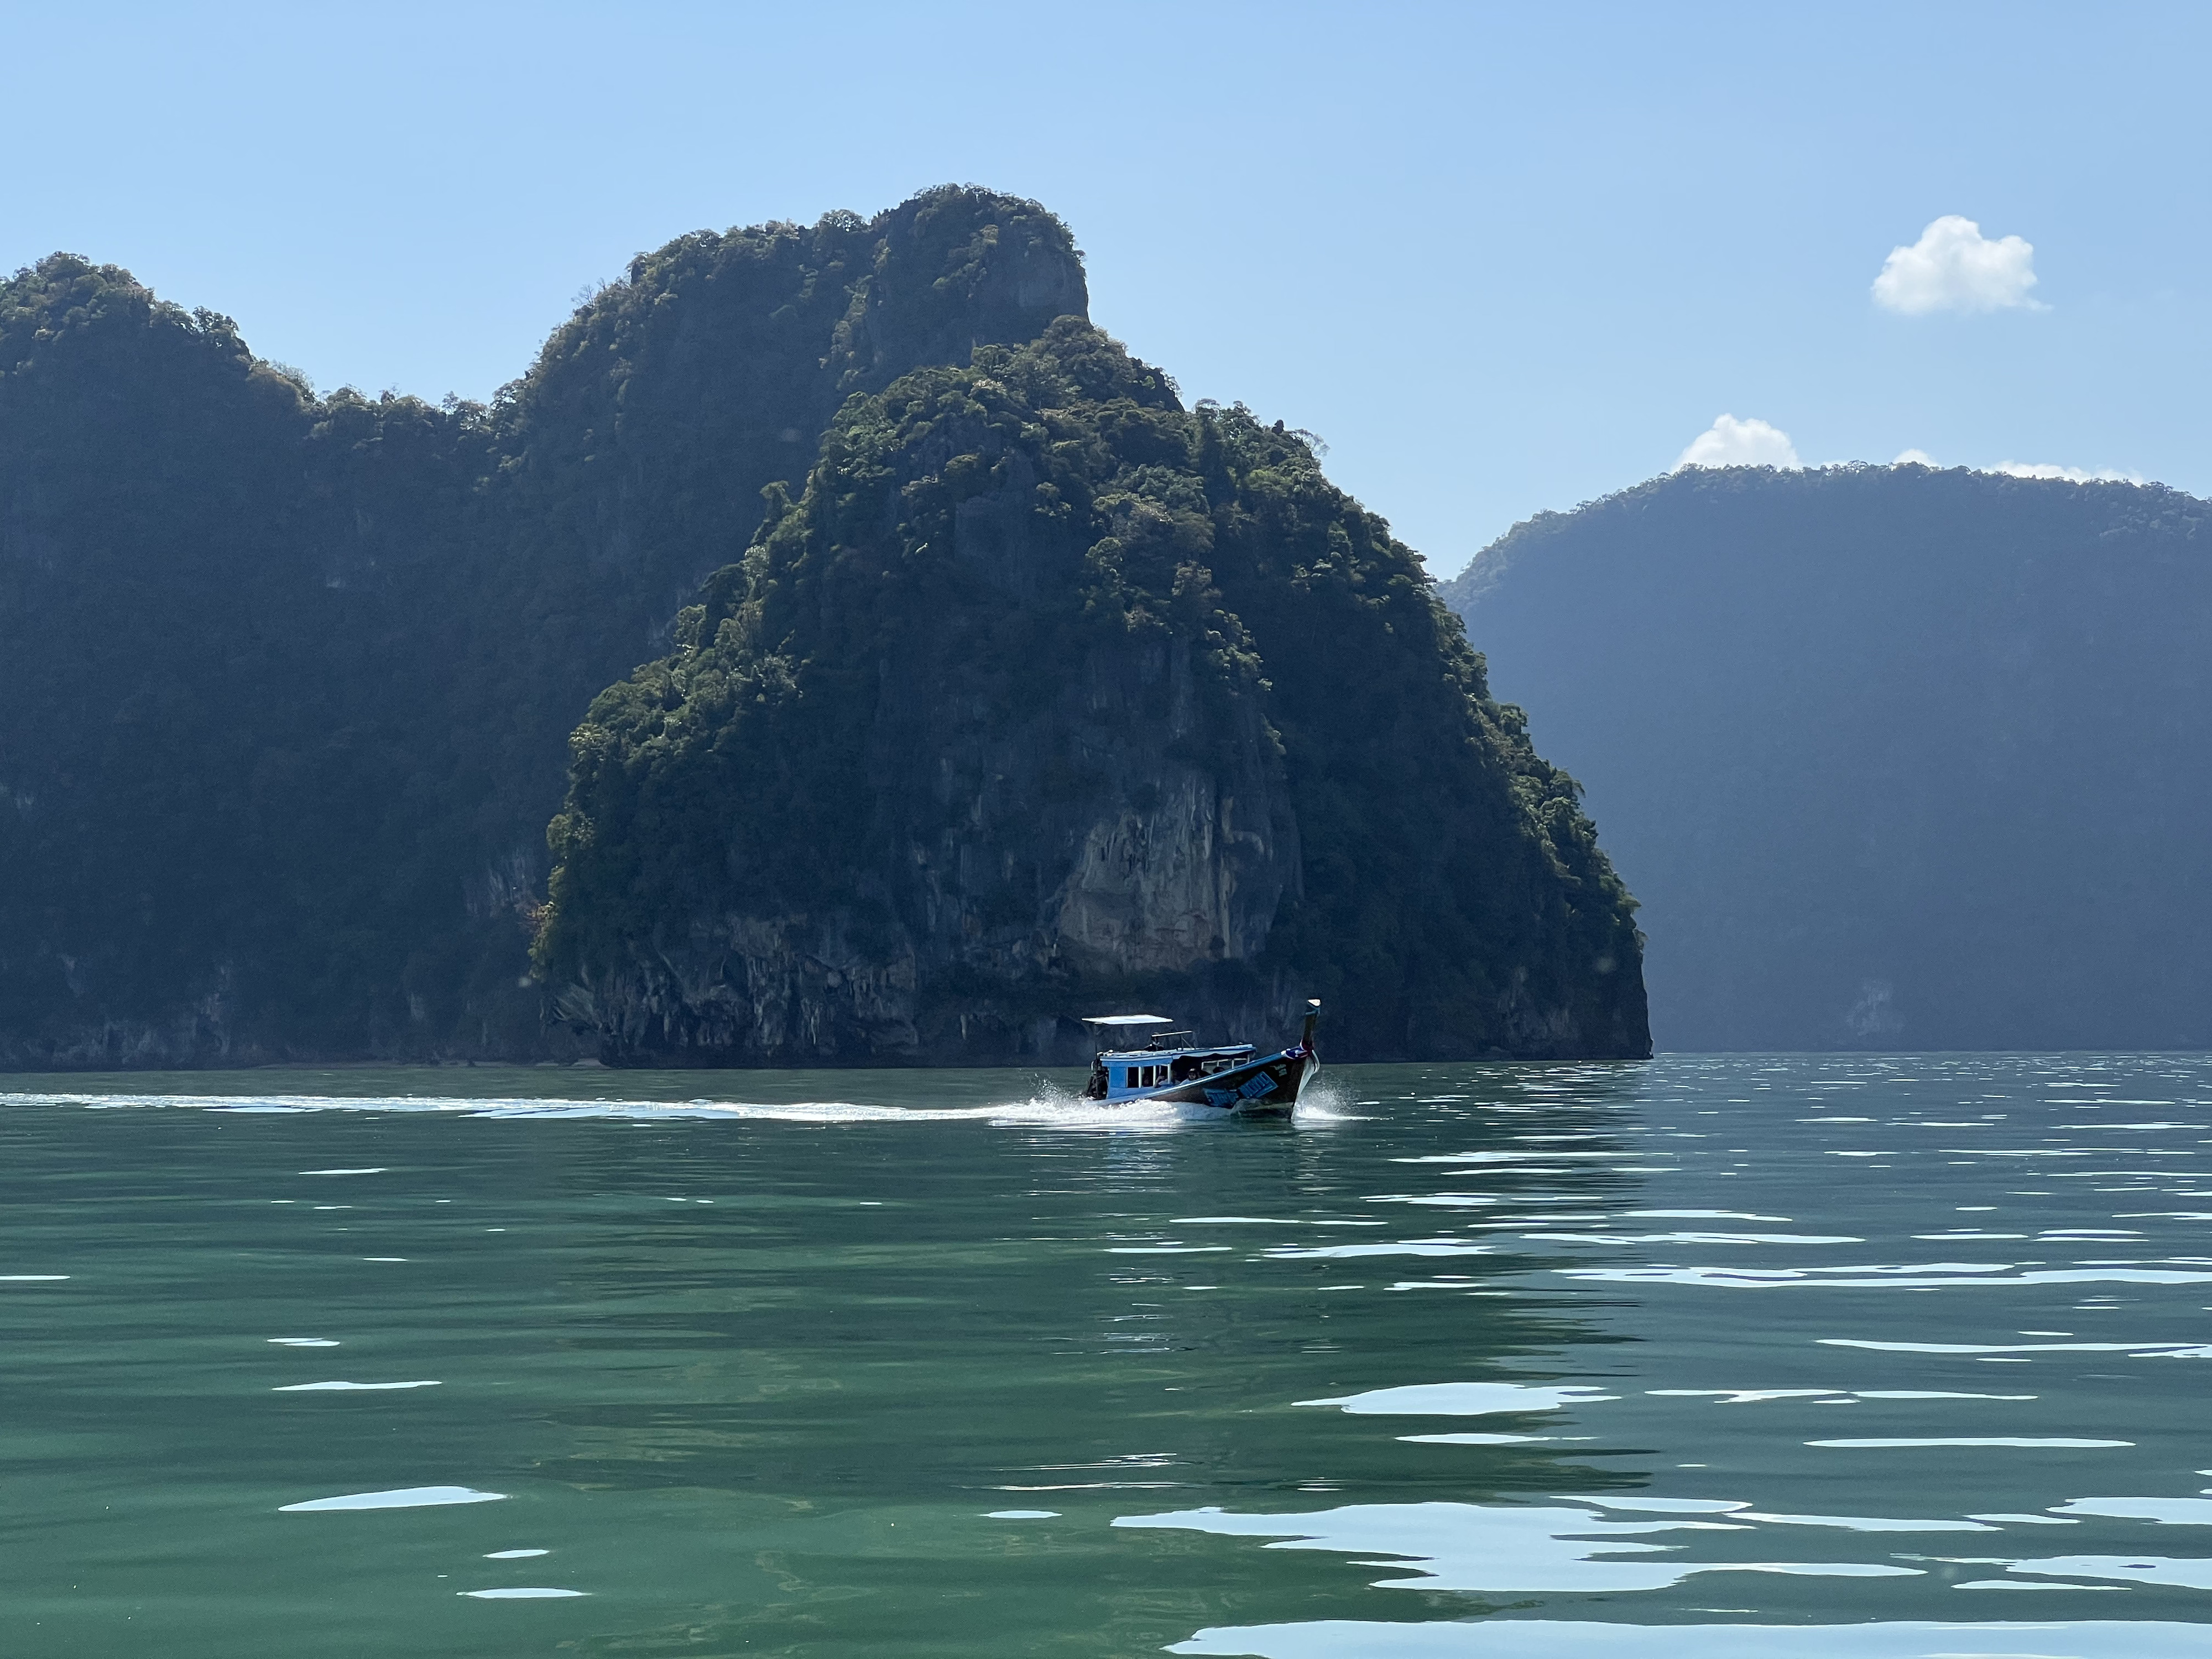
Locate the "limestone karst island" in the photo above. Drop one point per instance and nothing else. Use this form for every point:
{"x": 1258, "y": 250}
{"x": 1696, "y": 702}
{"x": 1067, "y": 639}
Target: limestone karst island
{"x": 834, "y": 649}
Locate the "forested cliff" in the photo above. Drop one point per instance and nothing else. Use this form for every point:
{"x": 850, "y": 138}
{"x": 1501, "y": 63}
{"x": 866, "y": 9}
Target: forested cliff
{"x": 1047, "y": 694}
{"x": 288, "y": 681}
{"x": 1895, "y": 757}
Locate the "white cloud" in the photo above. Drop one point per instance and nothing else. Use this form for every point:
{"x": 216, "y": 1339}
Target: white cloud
{"x": 2071, "y": 474}
{"x": 1730, "y": 442}
{"x": 2031, "y": 469}
{"x": 1954, "y": 267}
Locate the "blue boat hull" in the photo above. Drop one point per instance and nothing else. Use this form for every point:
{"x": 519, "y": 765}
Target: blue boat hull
{"x": 1268, "y": 1085}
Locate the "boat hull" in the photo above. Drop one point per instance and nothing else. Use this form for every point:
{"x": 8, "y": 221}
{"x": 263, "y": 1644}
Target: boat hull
{"x": 1269, "y": 1085}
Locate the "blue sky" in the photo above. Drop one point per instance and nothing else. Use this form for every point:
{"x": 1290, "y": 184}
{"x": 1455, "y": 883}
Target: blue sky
{"x": 1501, "y": 258}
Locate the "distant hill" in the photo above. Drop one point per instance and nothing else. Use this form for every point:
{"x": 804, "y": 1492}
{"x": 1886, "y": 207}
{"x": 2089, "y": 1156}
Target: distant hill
{"x": 1894, "y": 758}
{"x": 288, "y": 684}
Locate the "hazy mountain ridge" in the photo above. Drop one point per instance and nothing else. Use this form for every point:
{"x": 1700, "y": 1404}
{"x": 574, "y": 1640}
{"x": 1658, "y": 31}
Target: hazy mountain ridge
{"x": 1893, "y": 758}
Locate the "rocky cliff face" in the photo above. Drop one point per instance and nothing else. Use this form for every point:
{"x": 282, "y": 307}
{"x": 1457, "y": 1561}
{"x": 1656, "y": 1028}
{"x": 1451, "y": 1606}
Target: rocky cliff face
{"x": 1030, "y": 707}
{"x": 1013, "y": 862}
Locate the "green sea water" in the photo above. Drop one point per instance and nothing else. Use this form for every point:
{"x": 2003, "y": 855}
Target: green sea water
{"x": 1865, "y": 1357}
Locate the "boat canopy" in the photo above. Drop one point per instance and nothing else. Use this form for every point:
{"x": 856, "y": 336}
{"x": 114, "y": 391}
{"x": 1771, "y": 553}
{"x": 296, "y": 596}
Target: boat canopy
{"x": 1138, "y": 1033}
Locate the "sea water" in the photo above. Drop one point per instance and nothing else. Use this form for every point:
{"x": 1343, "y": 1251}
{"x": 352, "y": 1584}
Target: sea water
{"x": 1844, "y": 1358}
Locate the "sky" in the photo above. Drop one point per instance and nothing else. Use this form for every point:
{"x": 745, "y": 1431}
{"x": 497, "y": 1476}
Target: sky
{"x": 1502, "y": 259}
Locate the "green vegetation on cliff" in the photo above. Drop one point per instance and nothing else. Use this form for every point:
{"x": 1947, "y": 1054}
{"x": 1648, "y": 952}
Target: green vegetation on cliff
{"x": 213, "y": 724}
{"x": 1045, "y": 689}
{"x": 286, "y": 682}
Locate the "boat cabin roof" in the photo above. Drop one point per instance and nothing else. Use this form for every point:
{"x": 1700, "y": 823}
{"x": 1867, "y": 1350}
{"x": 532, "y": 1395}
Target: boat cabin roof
{"x": 1120, "y": 1029}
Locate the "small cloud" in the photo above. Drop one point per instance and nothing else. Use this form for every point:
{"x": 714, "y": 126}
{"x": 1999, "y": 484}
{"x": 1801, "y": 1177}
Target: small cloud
{"x": 1730, "y": 442}
{"x": 2071, "y": 474}
{"x": 1954, "y": 267}
{"x": 1914, "y": 458}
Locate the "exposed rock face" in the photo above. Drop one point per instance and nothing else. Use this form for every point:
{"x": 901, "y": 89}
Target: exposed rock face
{"x": 1172, "y": 888}
{"x": 1000, "y": 886}
{"x": 986, "y": 733}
